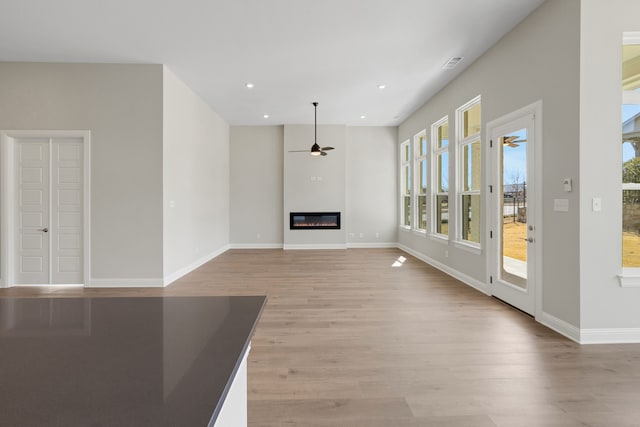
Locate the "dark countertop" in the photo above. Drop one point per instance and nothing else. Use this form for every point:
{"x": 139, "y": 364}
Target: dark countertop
{"x": 120, "y": 361}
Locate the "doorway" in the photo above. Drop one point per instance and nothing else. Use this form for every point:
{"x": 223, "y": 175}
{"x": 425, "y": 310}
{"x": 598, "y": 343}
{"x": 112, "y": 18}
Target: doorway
{"x": 45, "y": 205}
{"x": 514, "y": 217}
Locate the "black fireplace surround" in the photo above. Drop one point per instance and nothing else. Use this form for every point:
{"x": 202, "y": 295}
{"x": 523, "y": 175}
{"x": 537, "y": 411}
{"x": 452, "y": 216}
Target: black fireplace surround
{"x": 314, "y": 220}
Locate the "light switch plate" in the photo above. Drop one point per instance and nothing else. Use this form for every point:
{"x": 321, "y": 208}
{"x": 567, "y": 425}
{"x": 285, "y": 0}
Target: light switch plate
{"x": 596, "y": 204}
{"x": 561, "y": 205}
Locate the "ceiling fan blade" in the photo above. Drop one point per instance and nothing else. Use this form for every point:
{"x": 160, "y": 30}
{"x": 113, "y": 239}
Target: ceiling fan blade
{"x": 508, "y": 139}
{"x": 322, "y": 153}
{"x": 326, "y": 148}
{"x": 511, "y": 144}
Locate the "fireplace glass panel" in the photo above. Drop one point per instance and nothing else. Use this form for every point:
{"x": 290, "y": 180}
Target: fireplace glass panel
{"x": 314, "y": 220}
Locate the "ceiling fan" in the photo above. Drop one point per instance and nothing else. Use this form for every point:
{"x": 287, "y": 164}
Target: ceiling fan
{"x": 316, "y": 150}
{"x": 512, "y": 141}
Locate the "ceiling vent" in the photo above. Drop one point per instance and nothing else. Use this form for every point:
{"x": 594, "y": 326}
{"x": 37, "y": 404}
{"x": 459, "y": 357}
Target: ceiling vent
{"x": 451, "y": 63}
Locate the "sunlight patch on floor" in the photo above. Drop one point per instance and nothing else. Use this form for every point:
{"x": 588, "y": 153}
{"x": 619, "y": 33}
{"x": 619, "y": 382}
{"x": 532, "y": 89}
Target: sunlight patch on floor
{"x": 399, "y": 262}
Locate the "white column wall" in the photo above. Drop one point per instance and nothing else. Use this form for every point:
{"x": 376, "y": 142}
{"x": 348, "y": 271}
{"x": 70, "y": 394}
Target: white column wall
{"x": 195, "y": 180}
{"x": 605, "y": 306}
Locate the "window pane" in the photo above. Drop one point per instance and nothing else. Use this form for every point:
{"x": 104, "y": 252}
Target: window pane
{"x": 631, "y": 174}
{"x": 407, "y": 180}
{"x": 630, "y": 157}
{"x": 471, "y": 218}
{"x": 471, "y": 121}
{"x": 443, "y": 172}
{"x": 630, "y": 130}
{"x": 631, "y": 228}
{"x": 631, "y": 67}
{"x": 422, "y": 212}
{"x": 471, "y": 167}
{"x": 423, "y": 146}
{"x": 406, "y": 211}
{"x": 442, "y": 214}
{"x": 443, "y": 135}
{"x": 406, "y": 153}
{"x": 423, "y": 177}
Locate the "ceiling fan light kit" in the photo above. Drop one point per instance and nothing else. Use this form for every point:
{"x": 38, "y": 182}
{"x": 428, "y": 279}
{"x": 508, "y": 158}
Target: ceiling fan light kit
{"x": 316, "y": 150}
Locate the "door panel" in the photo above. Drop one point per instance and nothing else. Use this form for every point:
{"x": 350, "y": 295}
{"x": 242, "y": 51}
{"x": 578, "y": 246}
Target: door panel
{"x": 512, "y": 189}
{"x": 66, "y": 195}
{"x": 32, "y": 211}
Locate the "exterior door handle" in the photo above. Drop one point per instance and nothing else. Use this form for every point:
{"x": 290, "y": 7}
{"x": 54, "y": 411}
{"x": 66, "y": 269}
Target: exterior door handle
{"x": 528, "y": 239}
{"x": 44, "y": 229}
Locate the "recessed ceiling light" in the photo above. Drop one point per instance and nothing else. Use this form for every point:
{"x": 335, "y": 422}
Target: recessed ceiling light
{"x": 249, "y": 85}
{"x": 382, "y": 86}
{"x": 266, "y": 116}
{"x": 363, "y": 117}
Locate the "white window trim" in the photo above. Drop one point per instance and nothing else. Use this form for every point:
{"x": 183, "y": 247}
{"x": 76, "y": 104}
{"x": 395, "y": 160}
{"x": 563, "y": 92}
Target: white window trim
{"x": 461, "y": 142}
{"x": 629, "y": 278}
{"x": 468, "y": 246}
{"x": 417, "y": 159}
{"x": 631, "y": 37}
{"x": 404, "y": 163}
{"x": 435, "y": 153}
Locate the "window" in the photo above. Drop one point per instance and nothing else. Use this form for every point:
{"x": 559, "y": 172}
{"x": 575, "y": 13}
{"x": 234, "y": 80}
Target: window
{"x": 420, "y": 144}
{"x": 405, "y": 184}
{"x": 469, "y": 160}
{"x": 440, "y": 134}
{"x": 631, "y": 153}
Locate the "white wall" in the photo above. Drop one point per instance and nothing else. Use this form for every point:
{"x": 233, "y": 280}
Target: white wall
{"x": 604, "y": 304}
{"x": 122, "y": 107}
{"x": 538, "y": 60}
{"x": 195, "y": 179}
{"x": 257, "y": 163}
{"x": 372, "y": 190}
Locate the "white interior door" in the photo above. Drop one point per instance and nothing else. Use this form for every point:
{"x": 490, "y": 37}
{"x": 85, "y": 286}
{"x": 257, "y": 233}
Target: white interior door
{"x": 49, "y": 211}
{"x": 513, "y": 213}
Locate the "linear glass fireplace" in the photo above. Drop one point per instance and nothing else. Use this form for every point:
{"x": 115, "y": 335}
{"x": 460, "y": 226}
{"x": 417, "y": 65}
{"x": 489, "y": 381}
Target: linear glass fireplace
{"x": 314, "y": 220}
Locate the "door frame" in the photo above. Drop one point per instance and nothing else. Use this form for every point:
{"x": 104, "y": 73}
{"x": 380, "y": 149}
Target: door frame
{"x": 536, "y": 284}
{"x": 7, "y": 193}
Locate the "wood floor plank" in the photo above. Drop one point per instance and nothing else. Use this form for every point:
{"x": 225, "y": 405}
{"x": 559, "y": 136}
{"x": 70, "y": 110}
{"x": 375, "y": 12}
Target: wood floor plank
{"x": 346, "y": 339}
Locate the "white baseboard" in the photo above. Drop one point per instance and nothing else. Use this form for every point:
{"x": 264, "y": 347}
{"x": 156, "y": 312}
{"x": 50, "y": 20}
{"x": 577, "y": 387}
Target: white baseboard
{"x": 189, "y": 268}
{"x": 610, "y": 336}
{"x": 256, "y": 246}
{"x": 124, "y": 283}
{"x": 316, "y": 246}
{"x": 468, "y": 280}
{"x": 373, "y": 245}
{"x": 560, "y": 326}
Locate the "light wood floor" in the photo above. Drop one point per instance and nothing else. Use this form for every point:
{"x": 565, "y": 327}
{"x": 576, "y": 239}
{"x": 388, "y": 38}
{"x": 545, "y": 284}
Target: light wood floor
{"x": 348, "y": 340}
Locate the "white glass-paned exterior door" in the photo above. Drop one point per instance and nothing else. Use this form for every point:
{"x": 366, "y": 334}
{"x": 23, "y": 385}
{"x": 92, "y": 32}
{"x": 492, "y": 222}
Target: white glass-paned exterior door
{"x": 514, "y": 227}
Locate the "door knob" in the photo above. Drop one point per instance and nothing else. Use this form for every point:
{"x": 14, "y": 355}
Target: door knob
{"x": 528, "y": 239}
{"x": 44, "y": 229}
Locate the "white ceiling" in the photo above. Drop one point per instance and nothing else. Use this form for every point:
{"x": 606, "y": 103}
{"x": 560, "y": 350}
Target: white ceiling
{"x": 335, "y": 52}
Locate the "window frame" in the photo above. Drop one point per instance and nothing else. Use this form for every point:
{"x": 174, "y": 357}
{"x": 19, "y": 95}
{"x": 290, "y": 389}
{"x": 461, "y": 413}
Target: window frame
{"x": 418, "y": 160}
{"x": 405, "y": 147}
{"x": 436, "y": 152}
{"x": 460, "y": 192}
{"x": 630, "y": 276}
